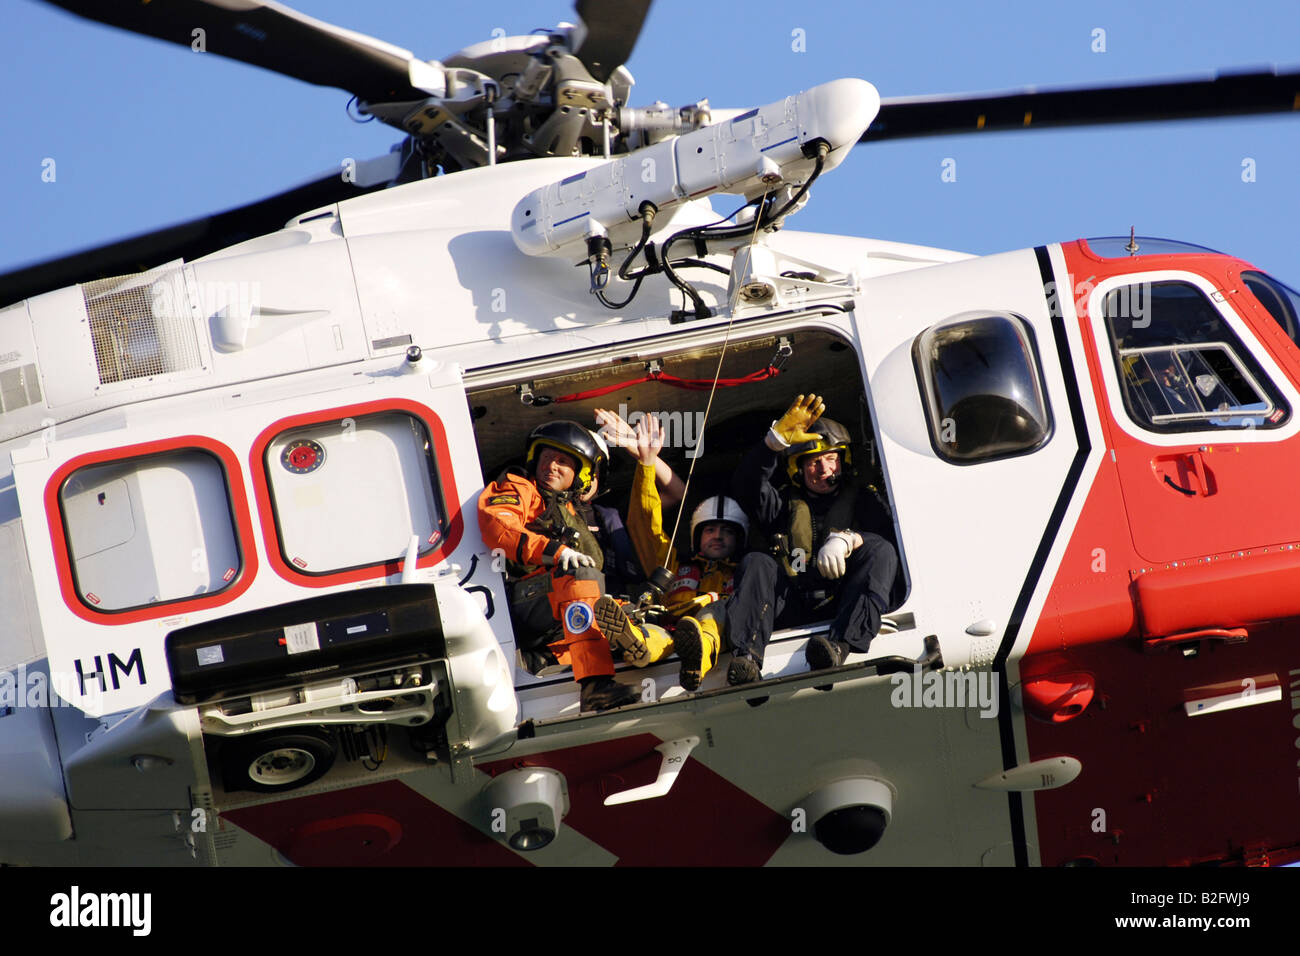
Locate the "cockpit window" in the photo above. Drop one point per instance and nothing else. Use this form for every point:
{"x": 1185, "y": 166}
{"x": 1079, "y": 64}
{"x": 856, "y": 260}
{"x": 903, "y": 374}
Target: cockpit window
{"x": 1282, "y": 303}
{"x": 1122, "y": 247}
{"x": 1181, "y": 367}
{"x": 984, "y": 394}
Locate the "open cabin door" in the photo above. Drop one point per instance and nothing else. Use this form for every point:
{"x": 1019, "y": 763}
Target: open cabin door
{"x": 210, "y": 505}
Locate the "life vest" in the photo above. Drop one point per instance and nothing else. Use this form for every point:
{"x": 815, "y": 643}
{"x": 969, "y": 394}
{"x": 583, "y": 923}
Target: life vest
{"x": 806, "y": 531}
{"x": 559, "y": 518}
{"x": 700, "y": 576}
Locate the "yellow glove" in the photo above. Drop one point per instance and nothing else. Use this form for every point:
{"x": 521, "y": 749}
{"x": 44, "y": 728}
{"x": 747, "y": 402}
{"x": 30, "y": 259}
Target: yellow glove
{"x": 792, "y": 427}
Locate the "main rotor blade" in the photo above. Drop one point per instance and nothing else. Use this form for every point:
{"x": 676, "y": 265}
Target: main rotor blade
{"x": 612, "y": 30}
{"x": 1236, "y": 94}
{"x": 190, "y": 240}
{"x": 269, "y": 35}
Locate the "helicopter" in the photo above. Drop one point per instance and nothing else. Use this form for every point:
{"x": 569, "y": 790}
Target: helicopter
{"x": 462, "y": 749}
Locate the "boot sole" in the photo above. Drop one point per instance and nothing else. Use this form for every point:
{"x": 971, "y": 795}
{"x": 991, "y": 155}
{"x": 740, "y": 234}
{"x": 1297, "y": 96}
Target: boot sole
{"x": 620, "y": 632}
{"x": 689, "y": 644}
{"x": 738, "y": 676}
{"x": 821, "y": 655}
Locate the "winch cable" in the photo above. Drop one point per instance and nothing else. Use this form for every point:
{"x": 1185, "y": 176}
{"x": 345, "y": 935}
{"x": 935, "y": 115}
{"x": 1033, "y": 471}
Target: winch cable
{"x": 717, "y": 373}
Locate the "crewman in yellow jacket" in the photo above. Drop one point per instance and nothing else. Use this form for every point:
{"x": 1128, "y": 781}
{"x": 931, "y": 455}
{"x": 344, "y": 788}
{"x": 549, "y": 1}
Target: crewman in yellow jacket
{"x": 701, "y": 584}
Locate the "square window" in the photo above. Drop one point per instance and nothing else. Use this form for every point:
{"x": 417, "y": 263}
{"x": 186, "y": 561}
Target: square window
{"x": 150, "y": 530}
{"x": 349, "y": 493}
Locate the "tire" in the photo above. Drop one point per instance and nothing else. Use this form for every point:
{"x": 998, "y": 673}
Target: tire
{"x": 277, "y": 761}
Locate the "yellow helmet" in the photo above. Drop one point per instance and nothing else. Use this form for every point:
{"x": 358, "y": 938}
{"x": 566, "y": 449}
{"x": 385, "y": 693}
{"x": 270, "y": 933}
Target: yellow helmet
{"x": 831, "y": 436}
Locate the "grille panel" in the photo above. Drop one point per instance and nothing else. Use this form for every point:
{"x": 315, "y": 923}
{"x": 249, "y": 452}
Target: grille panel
{"x": 141, "y": 326}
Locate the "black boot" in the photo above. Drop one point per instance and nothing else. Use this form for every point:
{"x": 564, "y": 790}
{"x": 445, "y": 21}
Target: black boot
{"x": 605, "y": 693}
{"x": 823, "y": 653}
{"x": 743, "y": 670}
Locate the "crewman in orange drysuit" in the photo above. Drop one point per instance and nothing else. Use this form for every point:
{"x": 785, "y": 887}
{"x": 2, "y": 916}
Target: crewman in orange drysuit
{"x": 553, "y": 561}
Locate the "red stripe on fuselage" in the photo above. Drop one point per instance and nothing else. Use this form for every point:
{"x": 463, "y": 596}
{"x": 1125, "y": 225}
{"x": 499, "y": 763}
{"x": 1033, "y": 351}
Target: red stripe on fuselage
{"x": 380, "y": 824}
{"x": 705, "y": 820}
{"x": 1159, "y": 786}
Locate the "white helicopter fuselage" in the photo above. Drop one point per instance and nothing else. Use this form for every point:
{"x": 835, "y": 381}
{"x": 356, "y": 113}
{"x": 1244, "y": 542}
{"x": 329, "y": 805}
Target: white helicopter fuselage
{"x": 319, "y": 317}
{"x": 153, "y": 486}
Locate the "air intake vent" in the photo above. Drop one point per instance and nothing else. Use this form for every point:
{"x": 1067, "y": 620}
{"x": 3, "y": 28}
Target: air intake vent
{"x": 142, "y": 325}
{"x": 19, "y": 387}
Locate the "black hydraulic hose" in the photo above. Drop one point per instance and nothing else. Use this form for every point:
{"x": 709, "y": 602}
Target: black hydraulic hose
{"x": 648, "y": 211}
{"x": 764, "y": 215}
{"x": 701, "y": 310}
{"x": 701, "y": 264}
{"x": 822, "y": 150}
{"x": 731, "y": 232}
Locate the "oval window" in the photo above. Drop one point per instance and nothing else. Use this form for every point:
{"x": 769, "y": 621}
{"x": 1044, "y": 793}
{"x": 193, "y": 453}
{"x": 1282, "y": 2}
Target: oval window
{"x": 983, "y": 391}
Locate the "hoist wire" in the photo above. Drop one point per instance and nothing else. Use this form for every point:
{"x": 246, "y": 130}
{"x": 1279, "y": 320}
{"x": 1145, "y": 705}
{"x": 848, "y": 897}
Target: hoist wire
{"x": 717, "y": 374}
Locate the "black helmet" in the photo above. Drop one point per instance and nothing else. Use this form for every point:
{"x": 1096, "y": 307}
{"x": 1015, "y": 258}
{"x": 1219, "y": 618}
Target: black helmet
{"x": 831, "y": 436}
{"x": 570, "y": 438}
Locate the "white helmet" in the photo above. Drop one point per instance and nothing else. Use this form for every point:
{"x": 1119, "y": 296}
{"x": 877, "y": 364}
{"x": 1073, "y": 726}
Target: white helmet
{"x": 719, "y": 508}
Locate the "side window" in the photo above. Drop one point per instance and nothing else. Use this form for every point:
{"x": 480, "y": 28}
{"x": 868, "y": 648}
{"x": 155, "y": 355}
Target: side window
{"x": 983, "y": 388}
{"x": 350, "y": 493}
{"x": 1180, "y": 366}
{"x": 150, "y": 530}
{"x": 1281, "y": 302}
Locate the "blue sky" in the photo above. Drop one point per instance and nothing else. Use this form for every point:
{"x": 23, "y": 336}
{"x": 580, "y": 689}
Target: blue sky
{"x": 145, "y": 134}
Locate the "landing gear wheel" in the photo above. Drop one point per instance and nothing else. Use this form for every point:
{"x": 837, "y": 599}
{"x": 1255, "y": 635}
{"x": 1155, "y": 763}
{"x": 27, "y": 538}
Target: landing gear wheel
{"x": 278, "y": 761}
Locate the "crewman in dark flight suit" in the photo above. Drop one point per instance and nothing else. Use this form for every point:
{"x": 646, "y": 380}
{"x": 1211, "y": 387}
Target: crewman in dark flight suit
{"x": 837, "y": 550}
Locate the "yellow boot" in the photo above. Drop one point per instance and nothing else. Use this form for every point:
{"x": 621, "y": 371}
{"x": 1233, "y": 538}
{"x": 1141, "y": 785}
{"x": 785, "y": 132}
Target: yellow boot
{"x": 657, "y": 641}
{"x": 641, "y": 644}
{"x": 697, "y": 643}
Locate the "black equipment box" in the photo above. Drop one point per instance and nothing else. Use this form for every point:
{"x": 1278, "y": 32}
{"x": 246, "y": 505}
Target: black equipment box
{"x": 305, "y": 642}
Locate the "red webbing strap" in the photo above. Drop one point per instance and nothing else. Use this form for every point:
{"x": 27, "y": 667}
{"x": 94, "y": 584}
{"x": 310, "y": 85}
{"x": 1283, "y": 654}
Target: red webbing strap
{"x": 692, "y": 384}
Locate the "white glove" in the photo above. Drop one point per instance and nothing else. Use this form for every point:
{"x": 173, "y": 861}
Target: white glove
{"x": 833, "y": 555}
{"x": 570, "y": 560}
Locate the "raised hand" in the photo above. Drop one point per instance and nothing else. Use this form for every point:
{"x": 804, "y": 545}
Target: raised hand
{"x": 649, "y": 439}
{"x": 792, "y": 427}
{"x": 615, "y": 431}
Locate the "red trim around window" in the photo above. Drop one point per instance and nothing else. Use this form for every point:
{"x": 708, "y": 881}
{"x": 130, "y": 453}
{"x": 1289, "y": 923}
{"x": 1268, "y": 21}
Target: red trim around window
{"x": 266, "y": 513}
{"x": 238, "y": 502}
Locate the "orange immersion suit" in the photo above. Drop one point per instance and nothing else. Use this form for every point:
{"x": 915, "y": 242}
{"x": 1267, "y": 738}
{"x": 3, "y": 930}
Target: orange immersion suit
{"x": 528, "y": 525}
